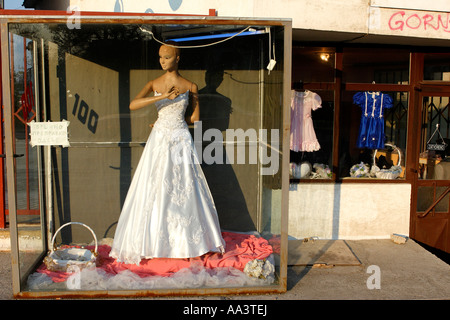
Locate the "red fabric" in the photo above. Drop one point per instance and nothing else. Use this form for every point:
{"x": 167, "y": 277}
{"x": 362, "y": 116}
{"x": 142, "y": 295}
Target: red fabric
{"x": 275, "y": 242}
{"x": 240, "y": 249}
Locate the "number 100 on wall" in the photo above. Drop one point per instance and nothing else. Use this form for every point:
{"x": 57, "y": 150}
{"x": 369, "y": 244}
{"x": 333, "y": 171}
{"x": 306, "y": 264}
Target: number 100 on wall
{"x": 86, "y": 115}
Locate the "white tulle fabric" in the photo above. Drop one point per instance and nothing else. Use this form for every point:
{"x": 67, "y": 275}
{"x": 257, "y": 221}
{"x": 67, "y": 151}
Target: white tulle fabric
{"x": 169, "y": 211}
{"x": 193, "y": 277}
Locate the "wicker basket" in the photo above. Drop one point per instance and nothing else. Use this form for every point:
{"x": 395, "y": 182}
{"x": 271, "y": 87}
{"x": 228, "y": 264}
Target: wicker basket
{"x": 71, "y": 259}
{"x": 391, "y": 173}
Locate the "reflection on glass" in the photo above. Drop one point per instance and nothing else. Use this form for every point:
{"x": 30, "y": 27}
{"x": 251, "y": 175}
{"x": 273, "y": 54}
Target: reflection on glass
{"x": 93, "y": 74}
{"x": 23, "y": 99}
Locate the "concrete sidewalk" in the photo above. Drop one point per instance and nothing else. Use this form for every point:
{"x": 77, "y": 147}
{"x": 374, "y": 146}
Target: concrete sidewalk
{"x": 385, "y": 271}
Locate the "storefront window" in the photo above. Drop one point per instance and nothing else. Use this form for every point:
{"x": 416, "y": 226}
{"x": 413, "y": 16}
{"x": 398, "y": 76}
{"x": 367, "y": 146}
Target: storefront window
{"x": 373, "y": 135}
{"x": 364, "y": 114}
{"x": 311, "y": 153}
{"x": 437, "y": 67}
{"x": 376, "y": 65}
{"x": 169, "y": 194}
{"x": 312, "y": 113}
{"x": 313, "y": 65}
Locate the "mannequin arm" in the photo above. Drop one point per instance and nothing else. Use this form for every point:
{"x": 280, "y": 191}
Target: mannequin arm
{"x": 195, "y": 116}
{"x": 142, "y": 99}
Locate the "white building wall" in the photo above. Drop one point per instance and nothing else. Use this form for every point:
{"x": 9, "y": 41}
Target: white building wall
{"x": 404, "y": 18}
{"x": 335, "y": 15}
{"x": 349, "y": 210}
{"x": 435, "y": 5}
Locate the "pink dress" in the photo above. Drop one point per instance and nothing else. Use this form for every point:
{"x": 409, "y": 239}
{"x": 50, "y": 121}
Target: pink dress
{"x": 303, "y": 136}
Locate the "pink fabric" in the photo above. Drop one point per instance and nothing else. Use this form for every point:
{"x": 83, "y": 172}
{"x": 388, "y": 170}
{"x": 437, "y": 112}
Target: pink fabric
{"x": 240, "y": 249}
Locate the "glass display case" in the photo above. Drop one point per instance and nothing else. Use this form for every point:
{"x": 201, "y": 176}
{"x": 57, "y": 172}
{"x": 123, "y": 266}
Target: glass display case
{"x": 76, "y": 85}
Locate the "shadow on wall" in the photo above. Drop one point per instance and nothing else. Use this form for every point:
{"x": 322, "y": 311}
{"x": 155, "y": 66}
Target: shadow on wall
{"x": 223, "y": 183}
{"x": 336, "y": 210}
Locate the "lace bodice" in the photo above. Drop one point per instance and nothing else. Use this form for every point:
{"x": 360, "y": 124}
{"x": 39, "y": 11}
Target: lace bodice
{"x": 171, "y": 112}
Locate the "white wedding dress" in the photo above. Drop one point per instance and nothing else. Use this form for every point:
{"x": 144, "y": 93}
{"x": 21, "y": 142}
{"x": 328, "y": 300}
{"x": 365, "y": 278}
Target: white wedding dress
{"x": 169, "y": 211}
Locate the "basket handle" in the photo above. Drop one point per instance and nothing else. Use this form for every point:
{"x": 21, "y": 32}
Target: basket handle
{"x": 81, "y": 224}
{"x": 393, "y": 147}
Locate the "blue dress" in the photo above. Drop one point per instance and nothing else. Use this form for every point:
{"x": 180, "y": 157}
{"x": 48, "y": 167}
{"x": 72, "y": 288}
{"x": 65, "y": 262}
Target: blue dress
{"x": 371, "y": 128}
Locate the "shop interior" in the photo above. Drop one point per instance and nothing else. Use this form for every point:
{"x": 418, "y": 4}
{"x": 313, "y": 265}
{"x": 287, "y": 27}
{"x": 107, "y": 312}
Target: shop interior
{"x": 337, "y": 74}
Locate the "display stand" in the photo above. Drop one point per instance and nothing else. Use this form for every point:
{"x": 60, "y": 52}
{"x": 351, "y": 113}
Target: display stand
{"x": 87, "y": 181}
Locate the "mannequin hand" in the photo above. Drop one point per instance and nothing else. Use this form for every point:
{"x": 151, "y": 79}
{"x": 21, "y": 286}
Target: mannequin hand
{"x": 173, "y": 93}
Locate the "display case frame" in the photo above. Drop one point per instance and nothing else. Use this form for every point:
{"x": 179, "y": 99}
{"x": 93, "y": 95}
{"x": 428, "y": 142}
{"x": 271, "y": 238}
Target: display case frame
{"x": 27, "y": 17}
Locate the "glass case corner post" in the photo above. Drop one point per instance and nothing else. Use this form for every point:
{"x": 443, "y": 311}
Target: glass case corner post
{"x": 23, "y": 174}
{"x": 286, "y": 140}
{"x": 2, "y": 165}
{"x": 10, "y": 178}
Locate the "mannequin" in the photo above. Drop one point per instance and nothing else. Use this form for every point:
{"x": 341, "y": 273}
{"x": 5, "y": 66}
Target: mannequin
{"x": 169, "y": 211}
{"x": 171, "y": 83}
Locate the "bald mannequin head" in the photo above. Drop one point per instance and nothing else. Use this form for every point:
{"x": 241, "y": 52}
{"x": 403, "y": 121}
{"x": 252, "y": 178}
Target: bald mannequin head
{"x": 172, "y": 45}
{"x": 169, "y": 57}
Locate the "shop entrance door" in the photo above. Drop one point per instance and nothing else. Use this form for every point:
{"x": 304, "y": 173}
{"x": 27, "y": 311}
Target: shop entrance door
{"x": 430, "y": 220}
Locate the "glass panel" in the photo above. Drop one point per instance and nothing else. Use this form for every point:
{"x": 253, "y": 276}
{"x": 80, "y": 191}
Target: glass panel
{"x": 22, "y": 67}
{"x": 93, "y": 74}
{"x": 312, "y": 163}
{"x": 426, "y": 196}
{"x": 25, "y": 109}
{"x": 437, "y": 67}
{"x": 434, "y": 160}
{"x": 362, "y": 154}
{"x": 379, "y": 65}
{"x": 313, "y": 64}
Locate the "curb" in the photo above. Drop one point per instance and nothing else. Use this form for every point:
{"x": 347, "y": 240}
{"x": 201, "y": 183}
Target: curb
{"x": 29, "y": 239}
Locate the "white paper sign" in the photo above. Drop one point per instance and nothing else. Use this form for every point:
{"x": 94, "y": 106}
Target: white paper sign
{"x": 49, "y": 133}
